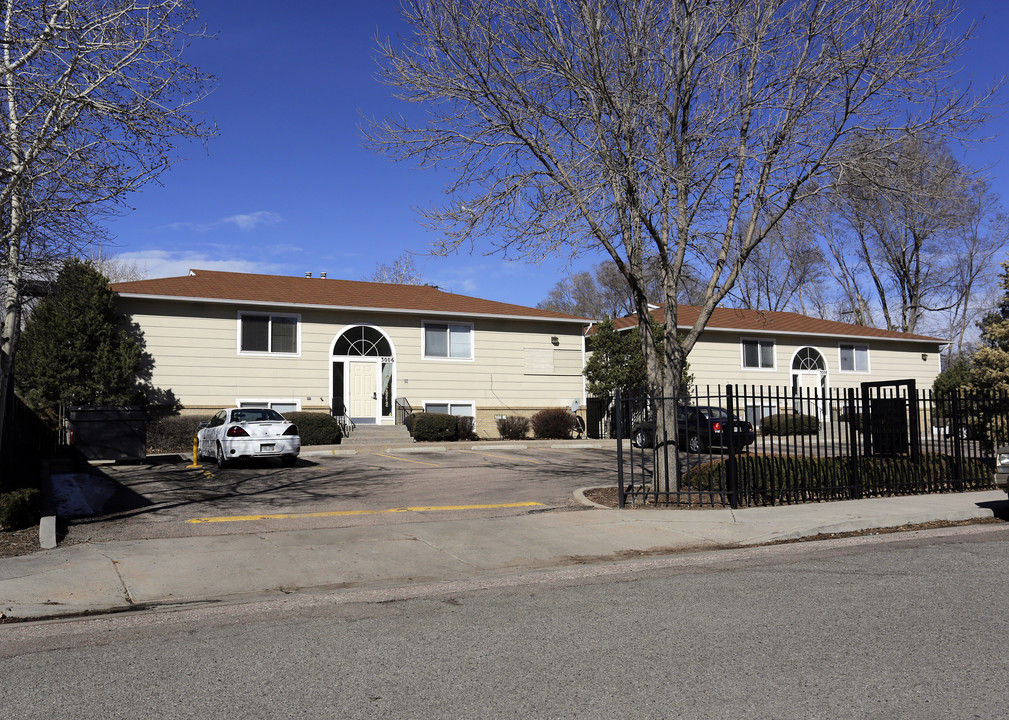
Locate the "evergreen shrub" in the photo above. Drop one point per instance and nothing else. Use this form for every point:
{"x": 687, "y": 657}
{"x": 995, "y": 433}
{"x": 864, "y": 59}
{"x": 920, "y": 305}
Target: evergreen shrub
{"x": 173, "y": 434}
{"x": 788, "y": 478}
{"x": 553, "y": 424}
{"x": 465, "y": 429}
{"x": 435, "y": 427}
{"x": 20, "y": 508}
{"x": 316, "y": 428}
{"x": 513, "y": 427}
{"x": 789, "y": 424}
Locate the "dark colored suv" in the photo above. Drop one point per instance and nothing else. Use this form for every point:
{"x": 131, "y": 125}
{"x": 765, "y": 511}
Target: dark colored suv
{"x": 698, "y": 428}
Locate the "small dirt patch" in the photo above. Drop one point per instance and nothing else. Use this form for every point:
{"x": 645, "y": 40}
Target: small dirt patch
{"x": 19, "y": 542}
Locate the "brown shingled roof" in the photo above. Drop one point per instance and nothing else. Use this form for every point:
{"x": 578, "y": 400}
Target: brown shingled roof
{"x": 210, "y": 285}
{"x": 771, "y": 322}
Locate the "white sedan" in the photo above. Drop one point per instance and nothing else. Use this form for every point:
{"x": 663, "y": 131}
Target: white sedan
{"x": 248, "y": 433}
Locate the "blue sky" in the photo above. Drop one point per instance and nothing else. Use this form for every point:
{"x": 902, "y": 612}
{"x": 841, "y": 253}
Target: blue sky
{"x": 287, "y": 187}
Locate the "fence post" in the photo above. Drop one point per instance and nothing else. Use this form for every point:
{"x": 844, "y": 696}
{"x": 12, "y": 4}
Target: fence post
{"x": 731, "y": 477}
{"x": 854, "y": 480}
{"x": 621, "y": 495}
{"x": 957, "y": 440}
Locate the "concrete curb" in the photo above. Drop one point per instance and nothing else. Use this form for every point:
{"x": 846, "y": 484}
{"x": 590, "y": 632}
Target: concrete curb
{"x": 581, "y": 499}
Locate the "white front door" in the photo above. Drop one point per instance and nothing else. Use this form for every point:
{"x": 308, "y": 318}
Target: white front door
{"x": 363, "y": 387}
{"x": 808, "y": 387}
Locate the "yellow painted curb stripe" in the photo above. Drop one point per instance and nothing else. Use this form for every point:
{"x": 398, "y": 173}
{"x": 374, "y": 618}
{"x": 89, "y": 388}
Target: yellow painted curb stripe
{"x": 396, "y": 457}
{"x": 342, "y": 513}
{"x": 503, "y": 457}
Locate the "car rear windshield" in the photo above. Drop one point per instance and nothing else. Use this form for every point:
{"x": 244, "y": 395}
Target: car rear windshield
{"x": 714, "y": 413}
{"x": 256, "y": 415}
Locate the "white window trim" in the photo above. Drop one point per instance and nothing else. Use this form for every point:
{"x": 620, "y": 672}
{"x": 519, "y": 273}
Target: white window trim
{"x": 450, "y": 403}
{"x": 855, "y": 346}
{"x": 270, "y": 401}
{"x": 268, "y": 353}
{"x": 774, "y": 354}
{"x": 449, "y": 323}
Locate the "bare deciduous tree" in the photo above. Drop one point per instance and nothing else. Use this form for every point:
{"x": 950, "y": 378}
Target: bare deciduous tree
{"x": 913, "y": 233}
{"x": 95, "y": 97}
{"x": 604, "y": 291}
{"x": 785, "y": 272}
{"x": 684, "y": 130}
{"x": 115, "y": 268}
{"x": 402, "y": 271}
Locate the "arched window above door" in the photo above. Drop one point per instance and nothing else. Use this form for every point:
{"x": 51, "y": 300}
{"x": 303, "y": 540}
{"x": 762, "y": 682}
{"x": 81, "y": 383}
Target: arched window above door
{"x": 809, "y": 359}
{"x": 362, "y": 341}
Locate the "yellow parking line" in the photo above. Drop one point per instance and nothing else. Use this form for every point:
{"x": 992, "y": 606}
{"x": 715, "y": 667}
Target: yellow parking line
{"x": 342, "y": 513}
{"x": 395, "y": 457}
{"x": 503, "y": 457}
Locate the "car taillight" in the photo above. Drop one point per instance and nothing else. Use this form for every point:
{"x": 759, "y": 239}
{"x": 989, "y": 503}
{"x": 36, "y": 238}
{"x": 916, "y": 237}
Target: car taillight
{"x": 717, "y": 427}
{"x": 291, "y": 430}
{"x": 236, "y": 431}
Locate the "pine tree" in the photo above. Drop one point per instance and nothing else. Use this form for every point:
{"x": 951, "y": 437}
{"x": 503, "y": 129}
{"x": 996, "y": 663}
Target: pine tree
{"x": 617, "y": 361}
{"x": 75, "y": 348}
{"x": 990, "y": 363}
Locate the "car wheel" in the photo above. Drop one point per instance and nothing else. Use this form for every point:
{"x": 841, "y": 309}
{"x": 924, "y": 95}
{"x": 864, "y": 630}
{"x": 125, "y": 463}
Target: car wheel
{"x": 289, "y": 460}
{"x": 694, "y": 444}
{"x": 222, "y": 460}
{"x": 641, "y": 439}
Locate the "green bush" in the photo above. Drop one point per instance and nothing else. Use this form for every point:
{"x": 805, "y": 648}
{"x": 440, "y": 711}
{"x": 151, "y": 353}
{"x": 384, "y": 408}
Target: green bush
{"x": 789, "y": 424}
{"x": 435, "y": 427}
{"x": 20, "y": 508}
{"x": 789, "y": 478}
{"x": 173, "y": 434}
{"x": 316, "y": 428}
{"x": 465, "y": 429}
{"x": 553, "y": 424}
{"x": 513, "y": 427}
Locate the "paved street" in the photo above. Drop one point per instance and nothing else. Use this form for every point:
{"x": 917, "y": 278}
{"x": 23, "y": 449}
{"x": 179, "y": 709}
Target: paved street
{"x": 896, "y": 626}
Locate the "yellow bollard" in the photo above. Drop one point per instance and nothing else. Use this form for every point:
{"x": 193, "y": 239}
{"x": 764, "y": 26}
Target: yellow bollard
{"x": 195, "y": 463}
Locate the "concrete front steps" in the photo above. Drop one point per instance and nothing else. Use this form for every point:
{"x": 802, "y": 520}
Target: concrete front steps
{"x": 378, "y": 435}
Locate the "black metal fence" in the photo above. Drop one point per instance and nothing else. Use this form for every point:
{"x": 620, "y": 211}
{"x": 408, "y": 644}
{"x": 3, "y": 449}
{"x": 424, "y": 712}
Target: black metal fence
{"x": 26, "y": 441}
{"x": 742, "y": 446}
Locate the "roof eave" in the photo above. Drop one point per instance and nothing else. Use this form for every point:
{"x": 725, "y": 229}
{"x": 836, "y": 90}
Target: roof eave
{"x": 357, "y": 308}
{"x": 797, "y": 333}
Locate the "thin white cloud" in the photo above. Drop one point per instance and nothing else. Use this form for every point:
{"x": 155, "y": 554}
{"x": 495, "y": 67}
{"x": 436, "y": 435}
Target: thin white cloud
{"x": 161, "y": 263}
{"x": 246, "y": 221}
{"x": 252, "y": 221}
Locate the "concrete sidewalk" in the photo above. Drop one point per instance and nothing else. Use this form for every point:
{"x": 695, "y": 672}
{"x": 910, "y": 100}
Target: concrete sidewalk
{"x": 109, "y": 576}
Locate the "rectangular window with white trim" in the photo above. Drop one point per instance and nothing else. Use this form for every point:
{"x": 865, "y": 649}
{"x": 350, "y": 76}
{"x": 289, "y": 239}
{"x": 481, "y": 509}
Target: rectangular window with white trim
{"x": 854, "y": 358}
{"x": 270, "y": 334}
{"x": 758, "y": 354}
{"x": 450, "y": 408}
{"x": 448, "y": 341}
{"x": 281, "y": 406}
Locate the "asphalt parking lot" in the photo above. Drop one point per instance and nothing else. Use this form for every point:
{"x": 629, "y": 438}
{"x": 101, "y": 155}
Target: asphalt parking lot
{"x": 166, "y": 498}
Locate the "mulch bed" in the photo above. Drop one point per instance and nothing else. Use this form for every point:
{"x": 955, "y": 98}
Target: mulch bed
{"x": 608, "y": 496}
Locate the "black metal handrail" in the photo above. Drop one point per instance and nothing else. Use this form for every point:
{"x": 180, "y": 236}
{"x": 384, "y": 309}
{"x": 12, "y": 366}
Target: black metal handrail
{"x": 339, "y": 411}
{"x": 403, "y": 410}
